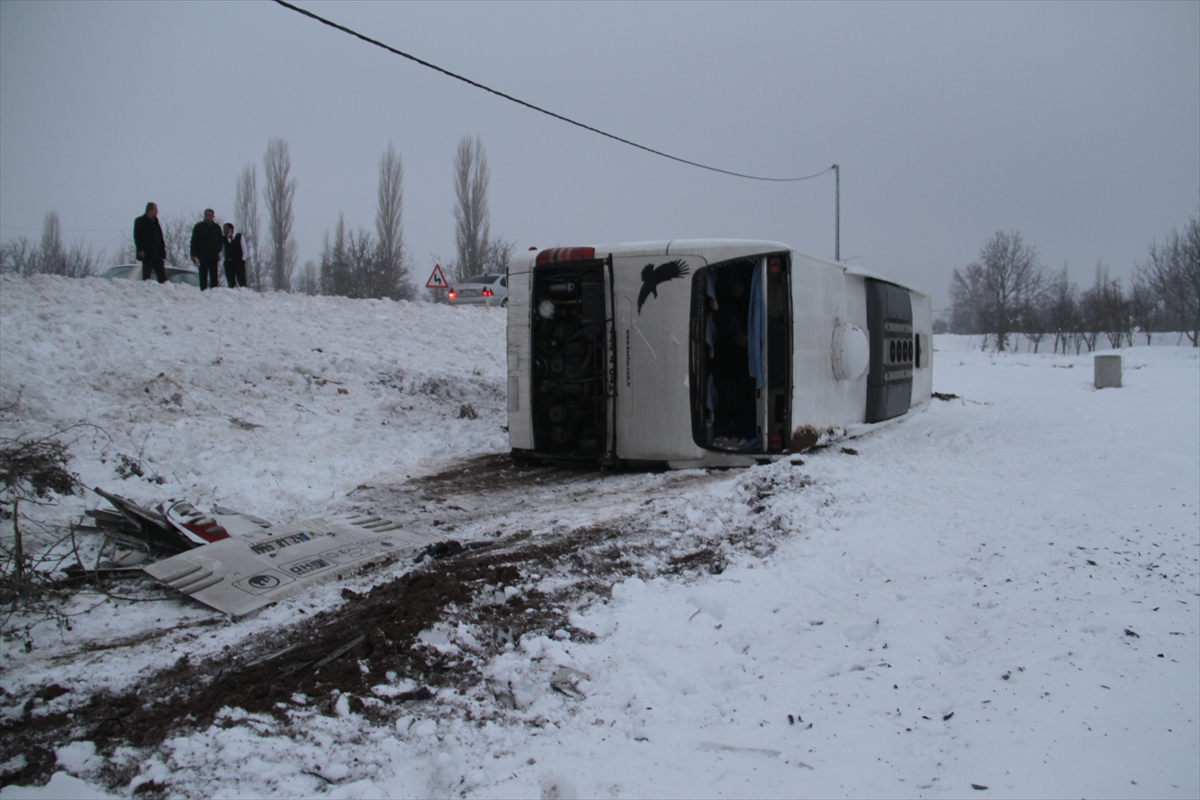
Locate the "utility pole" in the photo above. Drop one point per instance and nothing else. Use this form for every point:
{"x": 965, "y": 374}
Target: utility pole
{"x": 837, "y": 213}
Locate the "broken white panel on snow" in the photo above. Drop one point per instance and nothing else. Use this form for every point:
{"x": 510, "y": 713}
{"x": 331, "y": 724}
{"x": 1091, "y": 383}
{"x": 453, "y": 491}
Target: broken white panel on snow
{"x": 244, "y": 573}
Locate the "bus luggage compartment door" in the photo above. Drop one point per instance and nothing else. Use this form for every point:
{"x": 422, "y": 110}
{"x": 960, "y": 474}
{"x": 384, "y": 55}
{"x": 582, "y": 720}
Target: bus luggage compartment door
{"x": 890, "y": 323}
{"x": 569, "y": 355}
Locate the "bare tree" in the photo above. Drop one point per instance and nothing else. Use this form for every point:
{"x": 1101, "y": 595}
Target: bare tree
{"x": 496, "y": 255}
{"x": 391, "y": 260}
{"x": 1146, "y": 309}
{"x": 1173, "y": 272}
{"x": 1111, "y": 316}
{"x": 246, "y": 219}
{"x": 362, "y": 257}
{"x": 1062, "y": 308}
{"x": 1091, "y": 319}
{"x": 1035, "y": 323}
{"x": 81, "y": 262}
{"x": 994, "y": 293}
{"x": 126, "y": 253}
{"x": 177, "y": 239}
{"x": 52, "y": 253}
{"x": 471, "y": 217}
{"x": 279, "y": 192}
{"x": 309, "y": 280}
{"x": 19, "y": 256}
{"x": 355, "y": 264}
{"x": 335, "y": 269}
{"x": 966, "y": 301}
{"x": 350, "y": 266}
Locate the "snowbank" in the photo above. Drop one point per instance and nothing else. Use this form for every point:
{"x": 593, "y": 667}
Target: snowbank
{"x": 1000, "y": 591}
{"x": 274, "y": 404}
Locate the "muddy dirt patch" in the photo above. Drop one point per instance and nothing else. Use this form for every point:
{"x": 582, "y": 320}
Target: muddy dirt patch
{"x": 378, "y": 653}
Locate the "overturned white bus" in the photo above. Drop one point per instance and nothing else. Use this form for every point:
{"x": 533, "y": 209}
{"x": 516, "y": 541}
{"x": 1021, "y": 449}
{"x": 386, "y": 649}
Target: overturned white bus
{"x": 698, "y": 353}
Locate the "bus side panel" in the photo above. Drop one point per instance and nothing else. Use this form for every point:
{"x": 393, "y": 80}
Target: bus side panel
{"x": 520, "y": 407}
{"x": 653, "y": 415}
{"x": 822, "y": 296}
{"x": 922, "y": 385}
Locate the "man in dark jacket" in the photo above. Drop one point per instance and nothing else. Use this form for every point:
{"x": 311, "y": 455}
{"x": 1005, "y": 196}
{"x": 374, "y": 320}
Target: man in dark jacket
{"x": 148, "y": 241}
{"x": 234, "y": 258}
{"x": 207, "y": 243}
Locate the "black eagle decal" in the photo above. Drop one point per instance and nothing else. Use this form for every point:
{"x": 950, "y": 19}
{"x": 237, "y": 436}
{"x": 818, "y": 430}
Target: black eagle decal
{"x": 652, "y": 276}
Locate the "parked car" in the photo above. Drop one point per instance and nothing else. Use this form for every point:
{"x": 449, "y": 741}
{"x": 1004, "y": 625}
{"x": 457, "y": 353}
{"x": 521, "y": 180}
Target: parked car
{"x": 490, "y": 290}
{"x": 133, "y": 272}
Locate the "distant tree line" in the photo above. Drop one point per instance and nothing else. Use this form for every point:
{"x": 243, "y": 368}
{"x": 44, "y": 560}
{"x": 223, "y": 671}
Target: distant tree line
{"x": 49, "y": 256}
{"x": 357, "y": 264}
{"x": 353, "y": 262}
{"x": 1008, "y": 292}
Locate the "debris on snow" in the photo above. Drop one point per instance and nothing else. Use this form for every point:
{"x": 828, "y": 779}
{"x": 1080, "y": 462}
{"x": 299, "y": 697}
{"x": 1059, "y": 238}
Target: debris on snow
{"x": 238, "y": 563}
{"x": 450, "y": 547}
{"x": 566, "y": 681}
{"x": 238, "y": 575}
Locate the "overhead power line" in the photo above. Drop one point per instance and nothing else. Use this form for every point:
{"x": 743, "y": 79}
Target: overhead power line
{"x": 539, "y": 109}
{"x": 64, "y": 230}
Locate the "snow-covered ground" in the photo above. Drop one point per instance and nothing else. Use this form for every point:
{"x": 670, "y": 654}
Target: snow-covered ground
{"x": 1001, "y": 591}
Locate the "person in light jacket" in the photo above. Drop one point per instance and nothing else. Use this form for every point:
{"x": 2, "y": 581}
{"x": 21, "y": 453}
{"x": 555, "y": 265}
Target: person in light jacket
{"x": 149, "y": 243}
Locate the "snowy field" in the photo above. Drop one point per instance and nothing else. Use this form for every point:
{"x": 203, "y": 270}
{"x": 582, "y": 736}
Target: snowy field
{"x": 1001, "y": 590}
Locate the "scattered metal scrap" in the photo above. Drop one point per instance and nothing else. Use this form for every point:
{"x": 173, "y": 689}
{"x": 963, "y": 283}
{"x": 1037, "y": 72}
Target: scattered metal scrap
{"x": 237, "y": 563}
{"x": 172, "y": 527}
{"x": 244, "y": 573}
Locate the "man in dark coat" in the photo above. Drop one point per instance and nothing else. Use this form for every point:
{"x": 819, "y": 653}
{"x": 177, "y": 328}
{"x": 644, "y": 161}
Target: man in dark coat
{"x": 148, "y": 241}
{"x": 207, "y": 244}
{"x": 234, "y": 258}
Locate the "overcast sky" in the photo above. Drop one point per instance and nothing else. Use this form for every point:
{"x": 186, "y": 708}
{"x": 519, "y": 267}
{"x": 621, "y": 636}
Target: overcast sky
{"x": 1076, "y": 124}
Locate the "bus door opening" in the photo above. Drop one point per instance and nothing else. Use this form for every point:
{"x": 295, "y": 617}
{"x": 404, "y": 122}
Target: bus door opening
{"x": 741, "y": 355}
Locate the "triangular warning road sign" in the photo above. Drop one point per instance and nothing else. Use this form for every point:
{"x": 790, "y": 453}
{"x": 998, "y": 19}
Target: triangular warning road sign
{"x": 437, "y": 279}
